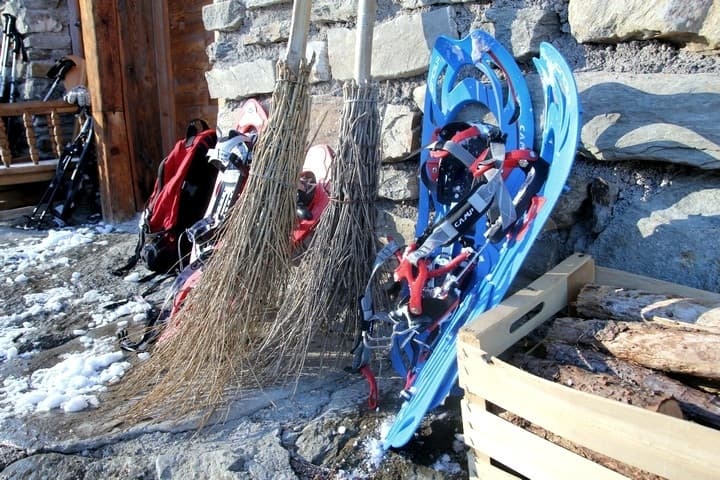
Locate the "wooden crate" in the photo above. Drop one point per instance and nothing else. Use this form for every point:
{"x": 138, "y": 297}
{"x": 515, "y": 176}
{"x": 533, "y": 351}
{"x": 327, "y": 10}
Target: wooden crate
{"x": 656, "y": 443}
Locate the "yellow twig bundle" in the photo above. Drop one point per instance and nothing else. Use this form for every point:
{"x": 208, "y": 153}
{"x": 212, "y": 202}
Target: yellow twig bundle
{"x": 321, "y": 298}
{"x": 224, "y": 327}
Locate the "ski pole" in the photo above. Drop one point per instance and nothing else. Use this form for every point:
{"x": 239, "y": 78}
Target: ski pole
{"x": 57, "y": 72}
{"x": 9, "y": 27}
{"x": 19, "y": 52}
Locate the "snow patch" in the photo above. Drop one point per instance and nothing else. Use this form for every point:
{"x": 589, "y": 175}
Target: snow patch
{"x": 69, "y": 385}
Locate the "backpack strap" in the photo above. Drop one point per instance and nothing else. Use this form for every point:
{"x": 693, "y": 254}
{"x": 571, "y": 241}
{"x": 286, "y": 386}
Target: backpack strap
{"x": 192, "y": 130}
{"x": 132, "y": 261}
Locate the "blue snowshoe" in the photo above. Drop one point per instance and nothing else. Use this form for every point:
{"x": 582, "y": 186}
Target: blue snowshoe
{"x": 484, "y": 198}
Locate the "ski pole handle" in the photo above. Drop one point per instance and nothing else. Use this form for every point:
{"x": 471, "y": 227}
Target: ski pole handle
{"x": 10, "y": 21}
{"x": 19, "y": 46}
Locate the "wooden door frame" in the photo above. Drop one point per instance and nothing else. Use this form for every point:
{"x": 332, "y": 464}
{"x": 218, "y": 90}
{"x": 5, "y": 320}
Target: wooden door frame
{"x": 113, "y": 78}
{"x": 164, "y": 75}
{"x": 100, "y": 36}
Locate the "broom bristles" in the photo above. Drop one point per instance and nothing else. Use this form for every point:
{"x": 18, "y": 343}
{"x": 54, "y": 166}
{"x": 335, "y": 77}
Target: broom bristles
{"x": 222, "y": 334}
{"x": 321, "y": 296}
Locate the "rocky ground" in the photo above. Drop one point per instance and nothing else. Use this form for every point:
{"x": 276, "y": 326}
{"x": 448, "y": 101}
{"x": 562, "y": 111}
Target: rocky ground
{"x": 322, "y": 430}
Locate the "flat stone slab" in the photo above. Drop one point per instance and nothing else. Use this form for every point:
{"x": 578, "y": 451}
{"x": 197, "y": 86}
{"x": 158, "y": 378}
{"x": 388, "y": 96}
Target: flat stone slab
{"x": 401, "y": 46}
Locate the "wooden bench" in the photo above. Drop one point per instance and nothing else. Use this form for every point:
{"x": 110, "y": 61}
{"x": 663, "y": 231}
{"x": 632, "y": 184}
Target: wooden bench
{"x": 30, "y": 167}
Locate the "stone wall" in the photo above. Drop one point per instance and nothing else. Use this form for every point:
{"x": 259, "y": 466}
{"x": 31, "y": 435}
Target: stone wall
{"x": 644, "y": 193}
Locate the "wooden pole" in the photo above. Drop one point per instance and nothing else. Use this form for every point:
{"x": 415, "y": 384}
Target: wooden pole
{"x": 297, "y": 43}
{"x": 367, "y": 10}
{"x": 100, "y": 33}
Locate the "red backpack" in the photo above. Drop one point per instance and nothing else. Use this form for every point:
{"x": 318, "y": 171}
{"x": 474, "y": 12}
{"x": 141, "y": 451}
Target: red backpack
{"x": 182, "y": 191}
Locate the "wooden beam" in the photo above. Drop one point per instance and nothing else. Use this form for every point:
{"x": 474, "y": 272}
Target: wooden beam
{"x": 100, "y": 32}
{"x": 74, "y": 25}
{"x": 28, "y": 172}
{"x": 141, "y": 104}
{"x": 35, "y": 107}
{"x": 164, "y": 75}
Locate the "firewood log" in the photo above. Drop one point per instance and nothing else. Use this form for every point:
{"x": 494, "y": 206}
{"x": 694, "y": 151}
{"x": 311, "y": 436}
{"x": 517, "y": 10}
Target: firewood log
{"x": 602, "y": 384}
{"x": 658, "y": 346}
{"x": 697, "y": 405}
{"x": 625, "y": 304}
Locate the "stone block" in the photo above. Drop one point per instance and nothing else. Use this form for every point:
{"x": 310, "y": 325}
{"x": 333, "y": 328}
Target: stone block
{"x": 224, "y": 16}
{"x": 400, "y": 227}
{"x": 619, "y": 20}
{"x": 241, "y": 80}
{"x": 321, "y": 68}
{"x": 40, "y": 22}
{"x": 400, "y": 132}
{"x": 658, "y": 117}
{"x": 267, "y": 30}
{"x": 671, "y": 234}
{"x": 333, "y": 11}
{"x": 401, "y": 46}
{"x": 48, "y": 41}
{"x": 399, "y": 182}
{"x": 254, "y": 4}
{"x": 522, "y": 30}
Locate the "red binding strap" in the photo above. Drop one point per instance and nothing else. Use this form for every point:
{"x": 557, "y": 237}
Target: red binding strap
{"x": 514, "y": 157}
{"x": 417, "y": 276}
{"x": 373, "y": 397}
{"x": 535, "y": 205}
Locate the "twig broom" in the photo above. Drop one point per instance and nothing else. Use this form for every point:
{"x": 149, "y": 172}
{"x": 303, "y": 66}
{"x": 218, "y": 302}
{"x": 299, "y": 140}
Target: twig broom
{"x": 223, "y": 325}
{"x": 321, "y": 299}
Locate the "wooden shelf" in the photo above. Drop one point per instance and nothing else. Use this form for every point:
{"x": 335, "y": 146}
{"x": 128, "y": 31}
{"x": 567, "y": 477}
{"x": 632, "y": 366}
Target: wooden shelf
{"x": 28, "y": 172}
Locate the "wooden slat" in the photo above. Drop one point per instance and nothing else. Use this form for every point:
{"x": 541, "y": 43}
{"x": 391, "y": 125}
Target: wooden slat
{"x": 73, "y": 21}
{"x": 28, "y": 172}
{"x": 540, "y": 459}
{"x": 618, "y": 278}
{"x": 35, "y": 107}
{"x": 101, "y": 39}
{"x": 165, "y": 69}
{"x": 498, "y": 328}
{"x": 664, "y": 445}
{"x": 142, "y": 107}
{"x": 479, "y": 469}
{"x": 188, "y": 43}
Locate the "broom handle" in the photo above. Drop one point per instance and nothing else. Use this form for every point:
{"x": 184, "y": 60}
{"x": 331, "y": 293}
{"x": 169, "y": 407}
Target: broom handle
{"x": 298, "y": 34}
{"x": 363, "y": 43}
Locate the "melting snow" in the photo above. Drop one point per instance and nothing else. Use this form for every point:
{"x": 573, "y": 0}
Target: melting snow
{"x": 71, "y": 385}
